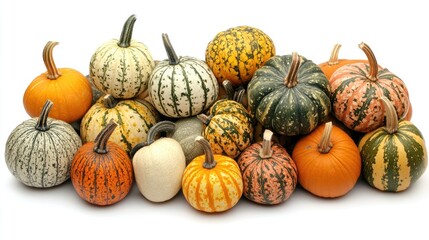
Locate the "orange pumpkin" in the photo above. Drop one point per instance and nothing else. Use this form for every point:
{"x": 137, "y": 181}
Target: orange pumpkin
{"x": 328, "y": 161}
{"x": 334, "y": 63}
{"x": 67, "y": 88}
{"x": 101, "y": 171}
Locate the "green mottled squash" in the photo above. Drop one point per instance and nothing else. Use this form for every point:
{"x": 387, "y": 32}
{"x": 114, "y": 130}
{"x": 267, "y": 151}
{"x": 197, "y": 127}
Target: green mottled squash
{"x": 289, "y": 95}
{"x": 393, "y": 156}
{"x": 187, "y": 129}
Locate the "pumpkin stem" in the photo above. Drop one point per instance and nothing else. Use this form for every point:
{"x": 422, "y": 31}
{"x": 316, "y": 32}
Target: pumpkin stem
{"x": 291, "y": 79}
{"x": 373, "y": 65}
{"x": 333, "y": 60}
{"x": 391, "y": 116}
{"x": 266, "y": 151}
{"x": 239, "y": 95}
{"x": 48, "y": 59}
{"x": 163, "y": 126}
{"x": 172, "y": 57}
{"x": 42, "y": 122}
{"x": 204, "y": 118}
{"x": 109, "y": 101}
{"x": 229, "y": 89}
{"x": 127, "y": 32}
{"x": 325, "y": 144}
{"x": 209, "y": 162}
{"x": 102, "y": 138}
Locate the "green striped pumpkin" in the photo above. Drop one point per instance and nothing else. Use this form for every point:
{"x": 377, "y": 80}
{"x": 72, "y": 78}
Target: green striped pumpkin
{"x": 134, "y": 119}
{"x": 39, "y": 151}
{"x": 393, "y": 156}
{"x": 289, "y": 95}
{"x": 122, "y": 67}
{"x": 182, "y": 87}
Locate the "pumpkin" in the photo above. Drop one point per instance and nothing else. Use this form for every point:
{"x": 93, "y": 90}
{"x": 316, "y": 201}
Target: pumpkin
{"x": 122, "y": 67}
{"x": 67, "y": 88}
{"x": 182, "y": 87}
{"x": 334, "y": 62}
{"x": 101, "y": 171}
{"x": 212, "y": 182}
{"x": 134, "y": 117}
{"x": 289, "y": 95}
{"x": 328, "y": 161}
{"x": 159, "y": 172}
{"x": 356, "y": 89}
{"x": 269, "y": 174}
{"x": 187, "y": 129}
{"x": 40, "y": 150}
{"x": 394, "y": 156}
{"x": 229, "y": 128}
{"x": 236, "y": 53}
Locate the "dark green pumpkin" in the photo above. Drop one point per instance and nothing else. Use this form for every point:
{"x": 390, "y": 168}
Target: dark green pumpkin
{"x": 289, "y": 95}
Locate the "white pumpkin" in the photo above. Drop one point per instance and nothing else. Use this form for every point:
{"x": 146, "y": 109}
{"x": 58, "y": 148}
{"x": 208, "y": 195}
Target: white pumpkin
{"x": 187, "y": 129}
{"x": 159, "y": 165}
{"x": 182, "y": 87}
{"x": 122, "y": 67}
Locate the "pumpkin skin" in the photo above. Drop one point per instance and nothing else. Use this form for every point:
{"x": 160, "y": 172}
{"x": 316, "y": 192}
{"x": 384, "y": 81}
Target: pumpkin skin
{"x": 328, "y": 161}
{"x": 182, "y": 87}
{"x": 39, "y": 151}
{"x": 269, "y": 174}
{"x": 393, "y": 156}
{"x": 212, "y": 182}
{"x": 159, "y": 172}
{"x": 187, "y": 129}
{"x": 101, "y": 171}
{"x": 122, "y": 67}
{"x": 134, "y": 119}
{"x": 289, "y": 95}
{"x": 236, "y": 53}
{"x": 229, "y": 128}
{"x": 67, "y": 88}
{"x": 356, "y": 89}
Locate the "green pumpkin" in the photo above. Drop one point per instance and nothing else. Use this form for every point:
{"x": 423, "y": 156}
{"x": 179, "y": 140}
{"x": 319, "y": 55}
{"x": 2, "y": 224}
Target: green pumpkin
{"x": 289, "y": 95}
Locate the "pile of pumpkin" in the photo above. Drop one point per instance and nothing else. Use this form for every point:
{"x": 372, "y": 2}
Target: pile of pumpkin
{"x": 244, "y": 122}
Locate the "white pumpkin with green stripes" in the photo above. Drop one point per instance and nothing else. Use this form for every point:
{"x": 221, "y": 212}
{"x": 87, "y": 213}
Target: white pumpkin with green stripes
{"x": 182, "y": 87}
{"x": 40, "y": 150}
{"x": 122, "y": 67}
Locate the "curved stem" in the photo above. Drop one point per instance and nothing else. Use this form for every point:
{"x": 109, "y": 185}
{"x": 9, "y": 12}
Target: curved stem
{"x": 391, "y": 116}
{"x": 204, "y": 118}
{"x": 172, "y": 57}
{"x": 291, "y": 79}
{"x": 209, "y": 162}
{"x": 109, "y": 101}
{"x": 373, "y": 65}
{"x": 42, "y": 122}
{"x": 163, "y": 126}
{"x": 100, "y": 142}
{"x": 266, "y": 151}
{"x": 229, "y": 89}
{"x": 325, "y": 144}
{"x": 239, "y": 96}
{"x": 333, "y": 60}
{"x": 49, "y": 60}
{"x": 127, "y": 32}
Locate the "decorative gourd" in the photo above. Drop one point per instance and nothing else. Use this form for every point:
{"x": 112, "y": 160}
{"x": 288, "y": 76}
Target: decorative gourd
{"x": 334, "y": 62}
{"x": 134, "y": 117}
{"x": 229, "y": 128}
{"x": 269, "y": 174}
{"x": 67, "y": 88}
{"x": 187, "y": 129}
{"x": 159, "y": 165}
{"x": 289, "y": 95}
{"x": 101, "y": 171}
{"x": 182, "y": 87}
{"x": 212, "y": 182}
{"x": 40, "y": 150}
{"x": 122, "y": 67}
{"x": 328, "y": 161}
{"x": 235, "y": 54}
{"x": 393, "y": 156}
{"x": 356, "y": 89}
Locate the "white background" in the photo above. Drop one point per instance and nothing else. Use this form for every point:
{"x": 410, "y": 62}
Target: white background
{"x": 395, "y": 30}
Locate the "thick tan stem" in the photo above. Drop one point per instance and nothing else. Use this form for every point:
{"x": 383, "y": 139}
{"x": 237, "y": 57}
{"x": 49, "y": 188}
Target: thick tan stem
{"x": 333, "y": 60}
{"x": 325, "y": 144}
{"x": 291, "y": 80}
{"x": 209, "y": 162}
{"x": 49, "y": 60}
{"x": 391, "y": 116}
{"x": 100, "y": 142}
{"x": 109, "y": 101}
{"x": 266, "y": 151}
{"x": 373, "y": 65}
